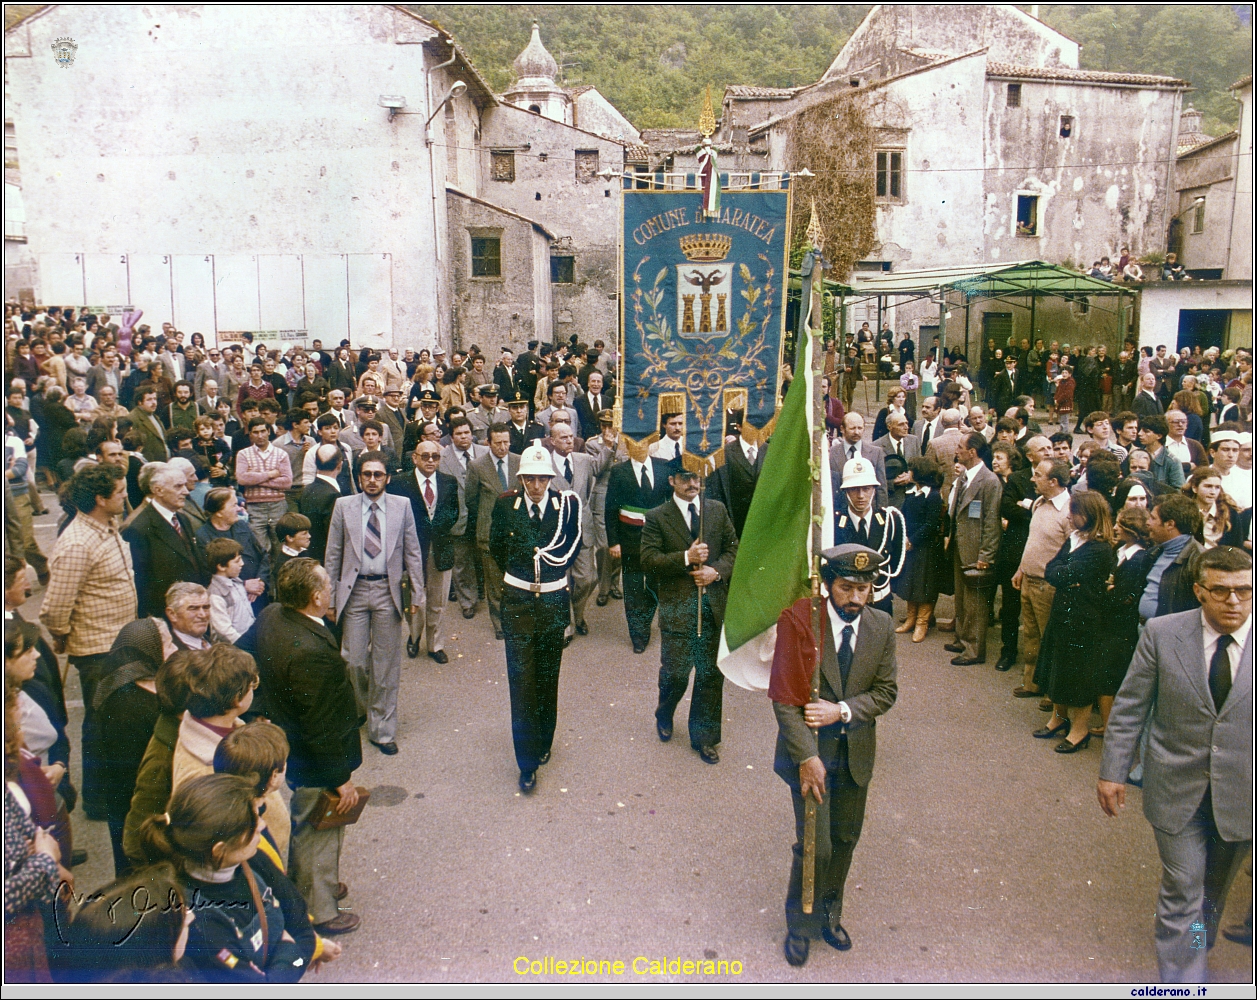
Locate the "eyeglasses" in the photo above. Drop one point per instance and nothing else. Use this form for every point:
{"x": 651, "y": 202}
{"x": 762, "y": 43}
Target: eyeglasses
{"x": 372, "y": 475}
{"x": 1221, "y": 594}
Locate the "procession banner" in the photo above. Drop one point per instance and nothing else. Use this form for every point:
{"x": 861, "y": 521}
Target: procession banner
{"x": 703, "y": 302}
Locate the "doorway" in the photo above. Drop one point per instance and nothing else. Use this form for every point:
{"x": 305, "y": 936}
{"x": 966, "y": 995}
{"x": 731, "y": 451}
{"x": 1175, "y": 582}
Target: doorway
{"x": 1203, "y": 327}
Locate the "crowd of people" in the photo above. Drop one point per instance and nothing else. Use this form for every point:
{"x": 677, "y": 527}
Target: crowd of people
{"x": 251, "y": 535}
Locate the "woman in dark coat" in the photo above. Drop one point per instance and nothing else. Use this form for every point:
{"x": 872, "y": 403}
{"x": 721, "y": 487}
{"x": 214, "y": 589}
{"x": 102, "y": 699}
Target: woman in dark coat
{"x": 923, "y": 514}
{"x": 1075, "y": 639}
{"x": 57, "y": 420}
{"x": 1130, "y": 576}
{"x": 126, "y": 710}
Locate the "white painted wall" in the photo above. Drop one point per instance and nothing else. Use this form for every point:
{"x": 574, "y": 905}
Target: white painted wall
{"x": 1160, "y": 303}
{"x": 219, "y": 131}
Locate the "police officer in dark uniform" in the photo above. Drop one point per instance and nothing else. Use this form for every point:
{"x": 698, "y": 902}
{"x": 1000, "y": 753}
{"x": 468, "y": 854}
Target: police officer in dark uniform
{"x": 866, "y": 522}
{"x": 535, "y": 537}
{"x": 826, "y": 744}
{"x": 524, "y": 430}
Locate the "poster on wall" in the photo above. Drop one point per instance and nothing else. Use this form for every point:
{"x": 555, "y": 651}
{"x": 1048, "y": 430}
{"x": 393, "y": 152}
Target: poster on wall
{"x": 703, "y": 300}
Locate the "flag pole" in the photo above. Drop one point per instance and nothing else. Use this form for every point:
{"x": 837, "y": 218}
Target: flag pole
{"x": 814, "y": 309}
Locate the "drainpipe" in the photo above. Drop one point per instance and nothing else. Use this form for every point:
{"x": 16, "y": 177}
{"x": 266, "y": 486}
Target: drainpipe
{"x": 1235, "y": 186}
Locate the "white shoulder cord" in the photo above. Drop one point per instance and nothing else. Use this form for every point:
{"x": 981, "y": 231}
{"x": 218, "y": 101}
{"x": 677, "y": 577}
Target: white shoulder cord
{"x": 560, "y": 549}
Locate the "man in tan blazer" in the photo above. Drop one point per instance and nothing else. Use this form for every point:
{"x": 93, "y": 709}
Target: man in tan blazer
{"x": 973, "y": 509}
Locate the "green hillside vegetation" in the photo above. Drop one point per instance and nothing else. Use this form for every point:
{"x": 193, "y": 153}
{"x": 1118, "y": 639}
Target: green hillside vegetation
{"x": 653, "y": 62}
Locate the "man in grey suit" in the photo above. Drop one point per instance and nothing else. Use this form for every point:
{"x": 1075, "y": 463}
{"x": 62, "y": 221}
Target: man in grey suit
{"x": 608, "y": 565}
{"x": 851, "y": 445}
{"x": 900, "y": 448}
{"x": 927, "y": 426}
{"x": 974, "y": 543}
{"x": 371, "y": 542}
{"x": 826, "y": 741}
{"x": 488, "y": 477}
{"x": 943, "y": 447}
{"x": 578, "y": 472}
{"x": 213, "y": 368}
{"x": 456, "y": 457}
{"x": 1191, "y": 684}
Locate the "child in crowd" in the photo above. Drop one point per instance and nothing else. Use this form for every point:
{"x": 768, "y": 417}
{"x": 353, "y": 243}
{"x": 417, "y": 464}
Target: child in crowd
{"x": 293, "y": 532}
{"x": 910, "y": 382}
{"x": 231, "y": 612}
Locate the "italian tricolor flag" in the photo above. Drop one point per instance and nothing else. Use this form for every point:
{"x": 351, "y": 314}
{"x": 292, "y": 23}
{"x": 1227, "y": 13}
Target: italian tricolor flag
{"x": 771, "y": 571}
{"x": 709, "y": 176}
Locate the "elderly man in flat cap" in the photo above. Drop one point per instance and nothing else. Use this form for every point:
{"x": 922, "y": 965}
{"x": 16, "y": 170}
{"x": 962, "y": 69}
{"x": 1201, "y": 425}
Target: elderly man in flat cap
{"x": 826, "y": 739}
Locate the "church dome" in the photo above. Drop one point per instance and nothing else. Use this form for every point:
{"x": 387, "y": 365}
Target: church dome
{"x": 535, "y": 67}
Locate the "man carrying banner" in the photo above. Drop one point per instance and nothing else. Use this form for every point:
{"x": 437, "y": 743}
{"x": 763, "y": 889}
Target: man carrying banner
{"x": 689, "y": 546}
{"x": 825, "y": 747}
{"x": 535, "y": 537}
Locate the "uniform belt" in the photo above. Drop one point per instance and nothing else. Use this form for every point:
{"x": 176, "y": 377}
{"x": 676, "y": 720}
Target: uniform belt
{"x": 536, "y": 588}
{"x": 374, "y": 577}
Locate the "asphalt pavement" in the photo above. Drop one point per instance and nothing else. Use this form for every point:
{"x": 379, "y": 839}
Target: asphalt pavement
{"x": 984, "y": 855}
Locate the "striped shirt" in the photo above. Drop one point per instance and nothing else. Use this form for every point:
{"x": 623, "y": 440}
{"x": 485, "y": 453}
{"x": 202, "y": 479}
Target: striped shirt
{"x": 252, "y": 467}
{"x": 92, "y": 591}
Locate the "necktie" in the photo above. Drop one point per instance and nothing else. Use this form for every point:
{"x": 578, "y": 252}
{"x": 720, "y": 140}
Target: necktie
{"x": 751, "y": 455}
{"x": 862, "y": 532}
{"x": 597, "y": 403}
{"x": 535, "y": 513}
{"x": 567, "y": 469}
{"x": 371, "y": 543}
{"x": 645, "y": 483}
{"x": 463, "y": 455}
{"x": 428, "y": 496}
{"x": 851, "y": 452}
{"x": 845, "y": 655}
{"x": 693, "y": 523}
{"x": 925, "y": 437}
{"x": 174, "y": 523}
{"x": 899, "y": 448}
{"x": 502, "y": 475}
{"x": 1220, "y": 672}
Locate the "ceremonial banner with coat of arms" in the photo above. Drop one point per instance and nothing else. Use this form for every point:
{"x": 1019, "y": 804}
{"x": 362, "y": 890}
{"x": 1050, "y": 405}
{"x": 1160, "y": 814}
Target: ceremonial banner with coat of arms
{"x": 703, "y": 302}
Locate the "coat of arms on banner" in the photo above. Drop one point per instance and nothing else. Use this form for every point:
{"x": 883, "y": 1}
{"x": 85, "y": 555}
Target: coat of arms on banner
{"x": 63, "y": 50}
{"x": 705, "y": 287}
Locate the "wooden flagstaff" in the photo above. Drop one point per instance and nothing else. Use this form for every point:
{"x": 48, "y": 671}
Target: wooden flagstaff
{"x": 814, "y": 279}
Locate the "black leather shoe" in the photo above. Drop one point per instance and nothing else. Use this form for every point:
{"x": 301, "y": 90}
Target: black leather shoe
{"x": 440, "y": 656}
{"x": 1004, "y": 665}
{"x": 527, "y": 781}
{"x": 544, "y": 758}
{"x": 389, "y": 749}
{"x": 582, "y": 628}
{"x": 836, "y": 935}
{"x": 665, "y": 732}
{"x": 603, "y": 601}
{"x": 412, "y": 648}
{"x": 567, "y": 641}
{"x": 498, "y": 635}
{"x": 638, "y": 649}
{"x": 1066, "y": 747}
{"x": 796, "y": 949}
{"x": 953, "y": 647}
{"x": 78, "y": 857}
{"x": 469, "y": 612}
{"x": 965, "y": 661}
{"x": 1048, "y": 731}
{"x": 617, "y": 594}
{"x": 709, "y": 755}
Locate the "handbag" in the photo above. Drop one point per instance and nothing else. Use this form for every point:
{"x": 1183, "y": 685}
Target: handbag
{"x": 257, "y": 905}
{"x": 324, "y": 815}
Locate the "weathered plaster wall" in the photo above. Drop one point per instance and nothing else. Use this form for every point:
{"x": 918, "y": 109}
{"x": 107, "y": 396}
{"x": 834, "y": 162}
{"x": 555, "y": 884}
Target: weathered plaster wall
{"x": 1106, "y": 185}
{"x": 237, "y": 130}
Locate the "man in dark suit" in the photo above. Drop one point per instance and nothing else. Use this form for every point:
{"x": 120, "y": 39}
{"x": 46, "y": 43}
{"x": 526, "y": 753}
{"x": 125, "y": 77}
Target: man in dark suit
{"x": 589, "y": 403}
{"x": 320, "y": 496}
{"x": 488, "y": 477}
{"x": 688, "y": 546}
{"x": 1189, "y": 689}
{"x": 827, "y": 736}
{"x": 900, "y": 448}
{"x": 1006, "y": 386}
{"x": 148, "y": 428}
{"x": 504, "y": 375}
{"x": 973, "y": 510}
{"x": 733, "y": 484}
{"x": 1146, "y": 402}
{"x": 304, "y": 688}
{"x": 527, "y": 368}
{"x": 849, "y": 446}
{"x": 433, "y": 497}
{"x": 163, "y": 541}
{"x": 633, "y": 488}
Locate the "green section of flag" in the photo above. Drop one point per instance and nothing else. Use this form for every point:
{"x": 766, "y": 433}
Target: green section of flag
{"x": 771, "y": 571}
